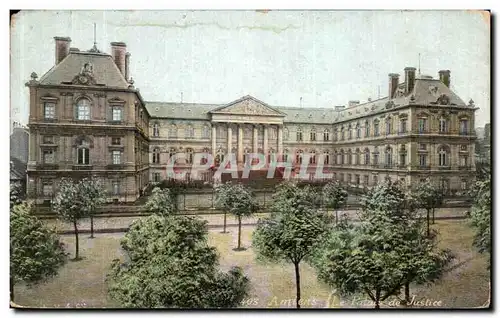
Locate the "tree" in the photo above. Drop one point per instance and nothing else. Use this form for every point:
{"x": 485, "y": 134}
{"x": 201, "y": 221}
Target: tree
{"x": 429, "y": 196}
{"x": 16, "y": 196}
{"x": 69, "y": 204}
{"x": 92, "y": 195}
{"x": 480, "y": 215}
{"x": 170, "y": 265}
{"x": 293, "y": 229}
{"x": 385, "y": 252}
{"x": 334, "y": 196}
{"x": 35, "y": 250}
{"x": 161, "y": 202}
{"x": 237, "y": 200}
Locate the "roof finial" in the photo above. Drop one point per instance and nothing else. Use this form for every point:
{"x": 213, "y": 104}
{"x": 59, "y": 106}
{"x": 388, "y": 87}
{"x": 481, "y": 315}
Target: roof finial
{"x": 94, "y": 48}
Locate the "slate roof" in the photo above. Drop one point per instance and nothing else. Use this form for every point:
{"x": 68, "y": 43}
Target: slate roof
{"x": 105, "y": 70}
{"x": 425, "y": 92}
{"x": 17, "y": 169}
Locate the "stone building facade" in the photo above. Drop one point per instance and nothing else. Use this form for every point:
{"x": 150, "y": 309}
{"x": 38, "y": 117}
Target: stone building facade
{"x": 19, "y": 140}
{"x": 420, "y": 129}
{"x": 87, "y": 120}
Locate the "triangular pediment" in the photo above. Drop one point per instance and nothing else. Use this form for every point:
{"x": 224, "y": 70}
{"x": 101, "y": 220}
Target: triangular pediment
{"x": 247, "y": 105}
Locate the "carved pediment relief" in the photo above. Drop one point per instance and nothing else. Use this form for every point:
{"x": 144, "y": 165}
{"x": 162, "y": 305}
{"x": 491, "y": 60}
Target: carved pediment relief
{"x": 248, "y": 106}
{"x": 443, "y": 99}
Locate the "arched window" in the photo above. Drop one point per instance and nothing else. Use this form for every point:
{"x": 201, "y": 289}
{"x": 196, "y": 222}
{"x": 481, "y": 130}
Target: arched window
{"x": 358, "y": 131}
{"x": 342, "y": 133}
{"x": 367, "y": 129}
{"x": 204, "y": 159}
{"x": 299, "y": 134}
{"x": 375, "y": 156}
{"x": 356, "y": 157}
{"x": 156, "y": 130}
{"x": 312, "y": 158}
{"x": 205, "y": 132}
{"x": 443, "y": 156}
{"x": 326, "y": 157}
{"x": 189, "y": 155}
{"x": 464, "y": 126}
{"x": 286, "y": 134}
{"x": 172, "y": 131}
{"x": 285, "y": 155}
{"x": 388, "y": 156}
{"x": 350, "y": 131}
{"x": 298, "y": 156}
{"x": 341, "y": 157}
{"x": 312, "y": 134}
{"x": 443, "y": 125}
{"x": 83, "y": 109}
{"x": 326, "y": 135}
{"x": 156, "y": 155}
{"x": 367, "y": 156}
{"x": 189, "y": 131}
{"x": 83, "y": 152}
{"x": 349, "y": 157}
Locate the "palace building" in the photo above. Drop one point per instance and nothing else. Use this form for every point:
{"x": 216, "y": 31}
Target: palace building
{"x": 87, "y": 118}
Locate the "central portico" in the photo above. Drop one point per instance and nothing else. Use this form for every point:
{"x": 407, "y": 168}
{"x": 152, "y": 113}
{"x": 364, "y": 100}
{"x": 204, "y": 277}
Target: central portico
{"x": 241, "y": 114}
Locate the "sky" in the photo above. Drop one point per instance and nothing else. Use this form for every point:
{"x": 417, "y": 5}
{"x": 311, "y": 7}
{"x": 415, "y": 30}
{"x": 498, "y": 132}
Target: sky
{"x": 324, "y": 57}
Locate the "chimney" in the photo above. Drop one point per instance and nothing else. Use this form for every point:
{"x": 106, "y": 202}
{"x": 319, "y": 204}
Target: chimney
{"x": 127, "y": 65}
{"x": 409, "y": 79}
{"x": 118, "y": 52}
{"x": 62, "y": 48}
{"x": 444, "y": 77}
{"x": 393, "y": 84}
{"x": 353, "y": 103}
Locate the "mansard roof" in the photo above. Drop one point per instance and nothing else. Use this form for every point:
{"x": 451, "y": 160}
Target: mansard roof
{"x": 427, "y": 92}
{"x": 105, "y": 72}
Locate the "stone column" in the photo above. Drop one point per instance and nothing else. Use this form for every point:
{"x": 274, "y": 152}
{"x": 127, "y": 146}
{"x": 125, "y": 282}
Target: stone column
{"x": 255, "y": 138}
{"x": 280, "y": 140}
{"x": 266, "y": 127}
{"x": 214, "y": 143}
{"x": 240, "y": 143}
{"x": 229, "y": 138}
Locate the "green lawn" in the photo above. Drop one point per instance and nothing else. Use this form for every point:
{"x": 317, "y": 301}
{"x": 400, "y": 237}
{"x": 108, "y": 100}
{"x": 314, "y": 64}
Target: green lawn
{"x": 81, "y": 284}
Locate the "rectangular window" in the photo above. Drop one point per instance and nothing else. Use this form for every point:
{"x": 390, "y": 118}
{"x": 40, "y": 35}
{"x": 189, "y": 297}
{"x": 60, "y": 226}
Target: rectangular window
{"x": 116, "y": 141}
{"x": 48, "y": 140}
{"x": 464, "y": 127}
{"x": 375, "y": 130}
{"x": 117, "y": 157}
{"x": 117, "y": 113}
{"x": 49, "y": 110}
{"x": 156, "y": 177}
{"x": 367, "y": 130}
{"x": 375, "y": 159}
{"x": 47, "y": 188}
{"x": 48, "y": 156}
{"x": 375, "y": 180}
{"x": 116, "y": 187}
{"x": 422, "y": 125}
{"x": 422, "y": 160}
{"x": 464, "y": 184}
{"x": 313, "y": 136}
{"x": 83, "y": 156}
{"x": 463, "y": 161}
{"x": 366, "y": 179}
{"x": 357, "y": 179}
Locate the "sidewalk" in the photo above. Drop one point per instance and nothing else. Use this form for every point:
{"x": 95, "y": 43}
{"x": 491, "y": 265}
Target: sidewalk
{"x": 121, "y": 224}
